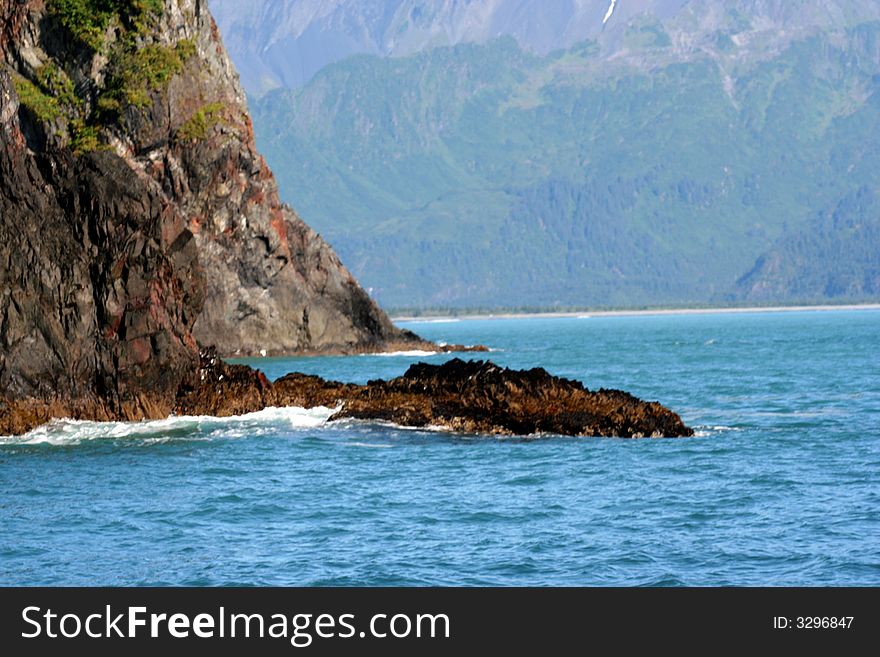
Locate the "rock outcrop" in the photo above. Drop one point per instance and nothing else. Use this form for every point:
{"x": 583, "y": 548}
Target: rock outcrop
{"x": 273, "y": 284}
{"x": 481, "y": 397}
{"x": 150, "y": 82}
{"x": 471, "y": 397}
{"x": 137, "y": 219}
{"x": 99, "y": 284}
{"x": 138, "y": 222}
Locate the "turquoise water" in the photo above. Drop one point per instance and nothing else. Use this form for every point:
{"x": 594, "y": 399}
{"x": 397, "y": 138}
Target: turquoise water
{"x": 781, "y": 485}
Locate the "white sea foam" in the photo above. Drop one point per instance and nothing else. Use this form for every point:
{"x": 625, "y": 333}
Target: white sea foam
{"x": 358, "y": 423}
{"x": 75, "y": 432}
{"x": 444, "y": 320}
{"x": 411, "y": 352}
{"x": 703, "y": 431}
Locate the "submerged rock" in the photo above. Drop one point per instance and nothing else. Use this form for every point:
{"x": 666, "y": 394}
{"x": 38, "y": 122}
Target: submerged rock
{"x": 472, "y": 397}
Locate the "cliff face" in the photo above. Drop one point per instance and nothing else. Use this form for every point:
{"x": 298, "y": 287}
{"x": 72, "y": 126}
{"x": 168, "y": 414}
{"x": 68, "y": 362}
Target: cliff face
{"x": 99, "y": 283}
{"x": 151, "y": 81}
{"x": 137, "y": 219}
{"x": 273, "y": 283}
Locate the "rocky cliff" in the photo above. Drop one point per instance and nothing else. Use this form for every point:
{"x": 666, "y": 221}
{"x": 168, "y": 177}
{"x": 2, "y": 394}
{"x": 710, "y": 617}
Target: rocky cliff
{"x": 138, "y": 222}
{"x": 137, "y": 219}
{"x": 99, "y": 284}
{"x": 149, "y": 82}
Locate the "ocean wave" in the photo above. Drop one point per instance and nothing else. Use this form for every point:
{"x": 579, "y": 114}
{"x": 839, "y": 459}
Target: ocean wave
{"x": 412, "y": 352}
{"x": 444, "y": 320}
{"x": 421, "y": 353}
{"x": 269, "y": 420}
{"x": 705, "y": 430}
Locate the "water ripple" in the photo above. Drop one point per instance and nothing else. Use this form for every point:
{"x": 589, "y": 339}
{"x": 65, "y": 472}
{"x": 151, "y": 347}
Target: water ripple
{"x": 779, "y": 487}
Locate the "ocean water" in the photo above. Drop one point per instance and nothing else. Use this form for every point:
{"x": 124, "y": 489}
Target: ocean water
{"x": 781, "y": 485}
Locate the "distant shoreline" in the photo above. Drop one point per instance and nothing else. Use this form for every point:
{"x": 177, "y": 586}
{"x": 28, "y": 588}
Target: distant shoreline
{"x": 634, "y": 313}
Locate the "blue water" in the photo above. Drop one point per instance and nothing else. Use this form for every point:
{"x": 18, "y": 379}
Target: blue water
{"x": 781, "y": 485}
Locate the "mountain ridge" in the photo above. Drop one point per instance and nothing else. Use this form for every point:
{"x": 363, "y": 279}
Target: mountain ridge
{"x": 576, "y": 182}
{"x": 277, "y": 43}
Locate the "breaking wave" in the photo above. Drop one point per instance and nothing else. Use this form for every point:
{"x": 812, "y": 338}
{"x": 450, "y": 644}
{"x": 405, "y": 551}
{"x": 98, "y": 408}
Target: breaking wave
{"x": 267, "y": 421}
{"x": 412, "y": 352}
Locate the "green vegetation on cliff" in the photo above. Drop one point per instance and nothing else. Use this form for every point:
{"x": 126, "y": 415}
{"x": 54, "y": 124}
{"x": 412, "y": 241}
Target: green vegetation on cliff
{"x": 205, "y": 118}
{"x": 137, "y": 72}
{"x": 51, "y": 98}
{"x": 43, "y": 106}
{"x": 89, "y": 20}
{"x": 134, "y": 72}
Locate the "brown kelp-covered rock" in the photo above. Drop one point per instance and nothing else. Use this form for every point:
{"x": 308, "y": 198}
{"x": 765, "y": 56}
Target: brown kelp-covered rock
{"x": 472, "y": 397}
{"x": 222, "y": 389}
{"x": 481, "y": 397}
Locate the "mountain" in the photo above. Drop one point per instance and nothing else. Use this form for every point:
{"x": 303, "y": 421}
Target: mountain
{"x": 658, "y": 166}
{"x": 138, "y": 221}
{"x": 834, "y": 255}
{"x": 284, "y": 43}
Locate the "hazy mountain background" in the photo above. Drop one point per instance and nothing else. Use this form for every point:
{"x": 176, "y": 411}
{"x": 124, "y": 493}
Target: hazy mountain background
{"x": 532, "y": 153}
